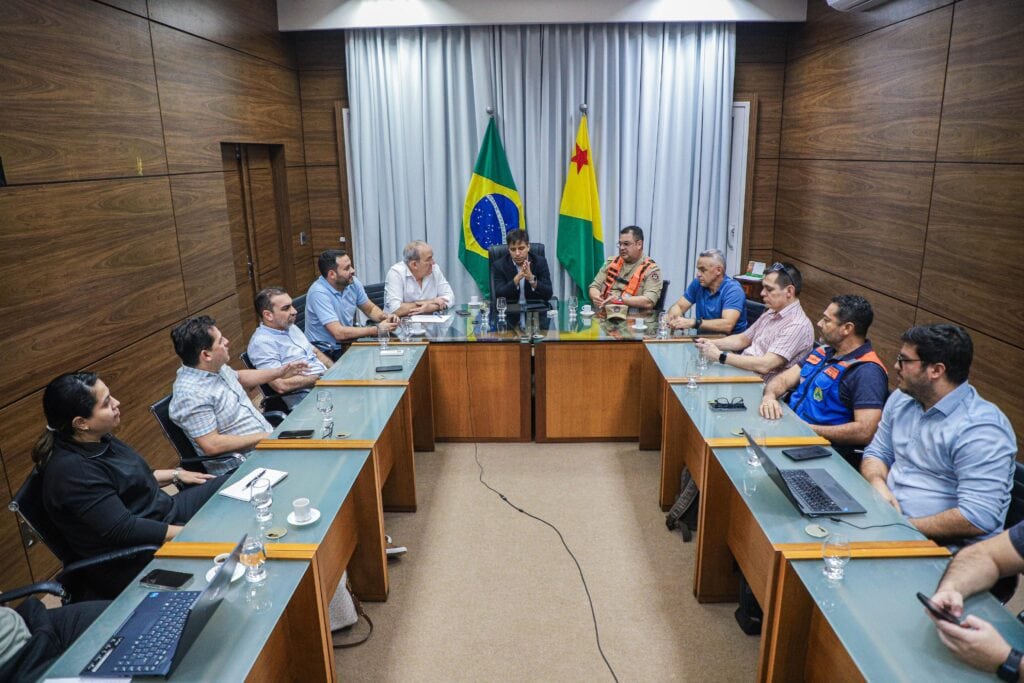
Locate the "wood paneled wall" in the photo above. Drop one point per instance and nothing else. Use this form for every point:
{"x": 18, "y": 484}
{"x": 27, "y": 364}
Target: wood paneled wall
{"x": 901, "y": 173}
{"x": 114, "y": 226}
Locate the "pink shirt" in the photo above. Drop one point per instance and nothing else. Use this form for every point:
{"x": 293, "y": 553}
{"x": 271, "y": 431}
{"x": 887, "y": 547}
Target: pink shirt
{"x": 788, "y": 333}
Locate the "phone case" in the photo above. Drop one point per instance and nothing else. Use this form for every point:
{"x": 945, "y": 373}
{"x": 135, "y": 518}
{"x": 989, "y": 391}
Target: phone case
{"x": 296, "y": 434}
{"x": 807, "y": 452}
{"x": 388, "y": 368}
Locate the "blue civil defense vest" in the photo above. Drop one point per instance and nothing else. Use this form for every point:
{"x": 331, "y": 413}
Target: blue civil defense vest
{"x": 816, "y": 398}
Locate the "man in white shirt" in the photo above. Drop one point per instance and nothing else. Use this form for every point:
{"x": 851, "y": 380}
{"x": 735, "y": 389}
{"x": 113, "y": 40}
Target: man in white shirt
{"x": 416, "y": 284}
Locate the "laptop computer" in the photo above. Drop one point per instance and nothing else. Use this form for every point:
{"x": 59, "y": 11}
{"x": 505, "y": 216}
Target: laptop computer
{"x": 812, "y": 491}
{"x": 156, "y": 636}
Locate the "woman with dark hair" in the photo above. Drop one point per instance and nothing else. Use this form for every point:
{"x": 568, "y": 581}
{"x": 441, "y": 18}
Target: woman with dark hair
{"x": 99, "y": 491}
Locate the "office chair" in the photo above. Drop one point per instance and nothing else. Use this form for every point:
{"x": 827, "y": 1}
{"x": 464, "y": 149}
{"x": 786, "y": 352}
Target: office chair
{"x": 85, "y": 578}
{"x": 754, "y": 310}
{"x": 188, "y": 457}
{"x": 496, "y": 251}
{"x": 1005, "y": 587}
{"x": 660, "y": 306}
{"x": 376, "y": 293}
{"x": 272, "y": 401}
{"x": 299, "y": 303}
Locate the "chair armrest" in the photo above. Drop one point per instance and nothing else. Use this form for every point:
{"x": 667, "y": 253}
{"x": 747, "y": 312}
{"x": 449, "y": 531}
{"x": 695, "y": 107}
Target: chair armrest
{"x": 114, "y": 555}
{"x": 275, "y": 404}
{"x": 274, "y": 417}
{"x": 51, "y": 587}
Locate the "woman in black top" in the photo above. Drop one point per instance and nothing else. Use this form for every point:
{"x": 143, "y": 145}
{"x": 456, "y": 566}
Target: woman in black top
{"x": 98, "y": 491}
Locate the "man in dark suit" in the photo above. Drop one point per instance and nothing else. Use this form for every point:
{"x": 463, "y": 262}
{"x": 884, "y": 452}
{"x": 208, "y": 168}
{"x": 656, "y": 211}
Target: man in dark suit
{"x": 520, "y": 276}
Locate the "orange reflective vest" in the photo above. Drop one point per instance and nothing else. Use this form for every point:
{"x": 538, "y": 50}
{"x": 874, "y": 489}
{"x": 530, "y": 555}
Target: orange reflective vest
{"x": 633, "y": 284}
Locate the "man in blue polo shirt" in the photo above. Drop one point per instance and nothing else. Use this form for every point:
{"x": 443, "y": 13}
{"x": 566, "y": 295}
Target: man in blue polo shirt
{"x": 331, "y": 304}
{"x": 942, "y": 455}
{"x": 720, "y": 301}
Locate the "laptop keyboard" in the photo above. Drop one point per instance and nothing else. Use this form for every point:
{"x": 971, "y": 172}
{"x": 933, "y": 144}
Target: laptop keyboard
{"x": 805, "y": 488}
{"x": 155, "y": 645}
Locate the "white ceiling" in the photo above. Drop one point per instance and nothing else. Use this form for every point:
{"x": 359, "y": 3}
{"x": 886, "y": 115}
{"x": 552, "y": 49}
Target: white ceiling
{"x": 314, "y": 15}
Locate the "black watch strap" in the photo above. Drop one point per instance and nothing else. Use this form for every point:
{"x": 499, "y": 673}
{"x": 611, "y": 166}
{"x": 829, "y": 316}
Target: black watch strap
{"x": 721, "y": 357}
{"x": 1010, "y": 669}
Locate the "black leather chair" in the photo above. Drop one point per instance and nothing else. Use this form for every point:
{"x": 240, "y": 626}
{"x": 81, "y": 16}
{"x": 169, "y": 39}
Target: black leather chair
{"x": 1005, "y": 587}
{"x": 101, "y": 576}
{"x": 299, "y": 303}
{"x": 273, "y": 402}
{"x": 376, "y": 293}
{"x": 188, "y": 457}
{"x": 496, "y": 251}
{"x": 660, "y": 306}
{"x": 754, "y": 311}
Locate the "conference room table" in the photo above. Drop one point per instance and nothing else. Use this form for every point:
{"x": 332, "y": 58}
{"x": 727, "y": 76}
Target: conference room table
{"x": 268, "y": 636}
{"x": 870, "y": 625}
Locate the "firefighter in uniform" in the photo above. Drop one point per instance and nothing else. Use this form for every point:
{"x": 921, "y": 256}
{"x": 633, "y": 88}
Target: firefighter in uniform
{"x": 629, "y": 279}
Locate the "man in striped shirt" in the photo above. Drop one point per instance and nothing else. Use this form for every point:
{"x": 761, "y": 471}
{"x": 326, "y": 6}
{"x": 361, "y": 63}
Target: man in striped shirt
{"x": 780, "y": 338}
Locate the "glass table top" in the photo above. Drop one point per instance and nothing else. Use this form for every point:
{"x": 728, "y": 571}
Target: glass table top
{"x": 715, "y": 424}
{"x": 360, "y": 362}
{"x": 889, "y": 636}
{"x": 680, "y": 360}
{"x": 464, "y": 324}
{"x": 361, "y": 412}
{"x": 325, "y": 477}
{"x": 230, "y": 643}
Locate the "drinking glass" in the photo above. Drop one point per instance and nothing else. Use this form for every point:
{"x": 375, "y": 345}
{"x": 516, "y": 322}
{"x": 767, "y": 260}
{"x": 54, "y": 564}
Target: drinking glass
{"x": 485, "y": 313}
{"x": 574, "y": 303}
{"x": 383, "y": 337}
{"x": 757, "y": 434}
{"x": 663, "y": 326}
{"x": 501, "y": 304}
{"x": 404, "y": 334}
{"x": 691, "y": 372}
{"x": 324, "y": 402}
{"x": 702, "y": 363}
{"x": 254, "y": 558}
{"x": 261, "y": 495}
{"x": 836, "y": 553}
{"x": 750, "y": 477}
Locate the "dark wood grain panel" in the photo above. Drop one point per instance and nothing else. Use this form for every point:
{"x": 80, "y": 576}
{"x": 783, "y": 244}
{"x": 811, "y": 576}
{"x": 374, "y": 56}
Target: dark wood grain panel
{"x": 211, "y": 94}
{"x": 765, "y": 81}
{"x": 204, "y": 237}
{"x": 993, "y": 372}
{"x": 762, "y": 215}
{"x": 892, "y": 317}
{"x": 974, "y": 257}
{"x": 761, "y": 42}
{"x": 825, "y": 26}
{"x": 248, "y": 26}
{"x": 859, "y": 220}
{"x": 325, "y": 215}
{"x": 762, "y": 255}
{"x": 320, "y": 90}
{"x": 319, "y": 49}
{"x": 264, "y": 220}
{"x": 87, "y": 268}
{"x": 875, "y": 97}
{"x": 298, "y": 209}
{"x": 14, "y": 568}
{"x": 983, "y": 108}
{"x": 77, "y": 94}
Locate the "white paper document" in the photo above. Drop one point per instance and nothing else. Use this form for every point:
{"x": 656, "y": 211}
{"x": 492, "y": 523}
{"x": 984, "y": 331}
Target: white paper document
{"x": 431, "y": 318}
{"x": 241, "y": 490}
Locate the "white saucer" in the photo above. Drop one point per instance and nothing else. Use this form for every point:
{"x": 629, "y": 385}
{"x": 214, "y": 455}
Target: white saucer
{"x": 640, "y": 329}
{"x": 587, "y": 314}
{"x": 239, "y": 570}
{"x": 314, "y": 515}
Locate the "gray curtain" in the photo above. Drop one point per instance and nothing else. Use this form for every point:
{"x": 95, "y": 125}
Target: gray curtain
{"x": 660, "y": 103}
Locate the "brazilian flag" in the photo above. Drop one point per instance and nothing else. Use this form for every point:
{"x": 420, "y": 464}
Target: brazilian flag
{"x": 580, "y": 240}
{"x": 493, "y": 208}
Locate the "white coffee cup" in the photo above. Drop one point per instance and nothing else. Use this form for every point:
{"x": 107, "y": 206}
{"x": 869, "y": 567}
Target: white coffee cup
{"x": 474, "y": 300}
{"x": 221, "y": 559}
{"x": 586, "y": 308}
{"x": 301, "y": 509}
{"x": 639, "y": 325}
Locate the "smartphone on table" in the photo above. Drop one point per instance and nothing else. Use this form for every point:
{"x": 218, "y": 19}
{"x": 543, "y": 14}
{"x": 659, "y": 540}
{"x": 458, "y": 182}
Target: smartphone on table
{"x": 165, "y": 578}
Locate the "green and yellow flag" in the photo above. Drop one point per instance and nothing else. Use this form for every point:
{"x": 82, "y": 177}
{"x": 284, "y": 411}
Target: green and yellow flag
{"x": 580, "y": 240}
{"x": 493, "y": 208}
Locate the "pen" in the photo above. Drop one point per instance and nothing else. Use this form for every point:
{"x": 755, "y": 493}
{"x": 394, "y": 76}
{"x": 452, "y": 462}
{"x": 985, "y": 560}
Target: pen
{"x": 259, "y": 474}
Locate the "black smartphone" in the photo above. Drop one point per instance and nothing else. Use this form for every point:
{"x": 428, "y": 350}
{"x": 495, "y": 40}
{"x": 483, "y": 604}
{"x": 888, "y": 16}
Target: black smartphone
{"x": 937, "y": 611}
{"x": 388, "y": 368}
{"x": 464, "y": 314}
{"x": 165, "y": 578}
{"x": 807, "y": 452}
{"x": 296, "y": 434}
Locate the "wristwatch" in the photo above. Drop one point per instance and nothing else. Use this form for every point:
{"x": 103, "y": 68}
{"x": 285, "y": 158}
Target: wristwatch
{"x": 176, "y": 477}
{"x": 721, "y": 357}
{"x": 1010, "y": 669}
{"x": 697, "y": 323}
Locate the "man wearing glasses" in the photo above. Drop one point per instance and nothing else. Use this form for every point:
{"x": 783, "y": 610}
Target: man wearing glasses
{"x": 628, "y": 279}
{"x": 780, "y": 338}
{"x": 942, "y": 455}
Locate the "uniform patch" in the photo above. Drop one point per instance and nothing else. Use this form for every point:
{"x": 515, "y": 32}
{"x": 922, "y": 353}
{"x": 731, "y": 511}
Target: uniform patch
{"x": 818, "y": 395}
{"x": 655, "y": 276}
{"x": 832, "y": 372}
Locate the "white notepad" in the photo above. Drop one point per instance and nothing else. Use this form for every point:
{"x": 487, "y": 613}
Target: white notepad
{"x": 430, "y": 318}
{"x": 241, "y": 490}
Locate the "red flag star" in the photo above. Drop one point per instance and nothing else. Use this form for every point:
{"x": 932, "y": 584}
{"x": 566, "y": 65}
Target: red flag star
{"x": 580, "y": 158}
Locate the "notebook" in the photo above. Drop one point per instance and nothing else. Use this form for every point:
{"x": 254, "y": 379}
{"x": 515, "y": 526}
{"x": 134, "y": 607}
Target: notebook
{"x": 241, "y": 489}
{"x": 156, "y": 636}
{"x": 811, "y": 491}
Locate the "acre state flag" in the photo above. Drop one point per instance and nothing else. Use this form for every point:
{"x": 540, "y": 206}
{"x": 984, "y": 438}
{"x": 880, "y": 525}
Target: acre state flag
{"x": 492, "y": 209}
{"x": 580, "y": 240}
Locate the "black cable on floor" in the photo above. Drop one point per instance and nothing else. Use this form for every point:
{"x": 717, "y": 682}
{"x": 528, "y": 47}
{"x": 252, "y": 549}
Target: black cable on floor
{"x": 593, "y": 615}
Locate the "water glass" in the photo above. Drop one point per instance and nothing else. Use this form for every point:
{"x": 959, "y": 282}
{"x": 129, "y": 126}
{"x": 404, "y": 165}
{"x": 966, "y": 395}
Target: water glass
{"x": 702, "y": 363}
{"x": 383, "y": 337}
{"x": 485, "y": 313}
{"x": 757, "y": 434}
{"x": 750, "y": 477}
{"x": 691, "y": 372}
{"x": 501, "y": 304}
{"x": 324, "y": 402}
{"x": 254, "y": 558}
{"x": 261, "y": 495}
{"x": 836, "y": 553}
{"x": 404, "y": 334}
{"x": 663, "y": 326}
{"x": 574, "y": 304}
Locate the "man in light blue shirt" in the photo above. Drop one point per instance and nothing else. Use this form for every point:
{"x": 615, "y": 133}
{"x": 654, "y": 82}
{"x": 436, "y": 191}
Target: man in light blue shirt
{"x": 277, "y": 341}
{"x": 942, "y": 455}
{"x": 331, "y": 304}
{"x": 720, "y": 300}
